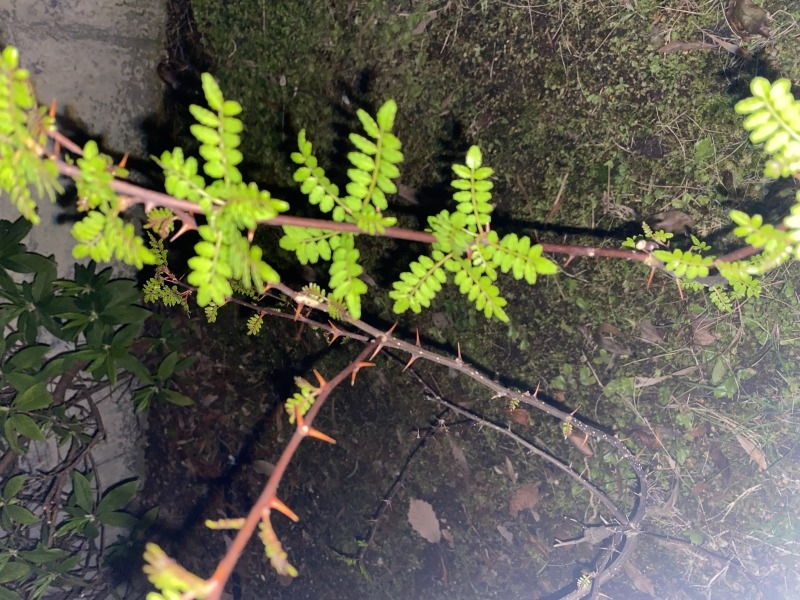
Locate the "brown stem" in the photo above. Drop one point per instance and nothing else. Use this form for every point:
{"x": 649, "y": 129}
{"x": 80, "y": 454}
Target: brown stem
{"x": 185, "y": 211}
{"x": 262, "y": 505}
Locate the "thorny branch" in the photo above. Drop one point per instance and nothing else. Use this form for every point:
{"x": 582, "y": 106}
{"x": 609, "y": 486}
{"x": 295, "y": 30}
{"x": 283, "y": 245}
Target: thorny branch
{"x": 185, "y": 210}
{"x": 625, "y": 539}
{"x": 625, "y": 531}
{"x": 265, "y": 502}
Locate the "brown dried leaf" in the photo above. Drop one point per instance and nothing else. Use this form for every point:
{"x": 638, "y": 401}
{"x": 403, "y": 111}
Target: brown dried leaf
{"x": 649, "y": 333}
{"x": 420, "y": 28}
{"x": 423, "y": 520}
{"x": 512, "y": 474}
{"x": 732, "y": 48}
{"x": 639, "y": 580}
{"x": 608, "y": 329}
{"x": 701, "y": 332}
{"x": 671, "y": 221}
{"x": 520, "y": 415}
{"x": 263, "y": 467}
{"x": 753, "y": 451}
{"x": 651, "y": 439}
{"x": 459, "y": 456}
{"x": 526, "y": 496}
{"x": 699, "y": 431}
{"x": 580, "y": 440}
{"x": 449, "y": 538}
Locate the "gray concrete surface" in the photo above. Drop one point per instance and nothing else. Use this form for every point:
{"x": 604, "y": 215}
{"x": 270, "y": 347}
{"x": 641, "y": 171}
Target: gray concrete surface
{"x": 98, "y": 59}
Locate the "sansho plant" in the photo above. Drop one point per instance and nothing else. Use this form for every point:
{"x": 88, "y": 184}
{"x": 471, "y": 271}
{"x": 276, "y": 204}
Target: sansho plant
{"x": 227, "y": 263}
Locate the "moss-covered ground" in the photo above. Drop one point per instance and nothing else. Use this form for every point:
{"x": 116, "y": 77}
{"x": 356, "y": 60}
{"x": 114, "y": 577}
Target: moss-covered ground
{"x": 593, "y": 115}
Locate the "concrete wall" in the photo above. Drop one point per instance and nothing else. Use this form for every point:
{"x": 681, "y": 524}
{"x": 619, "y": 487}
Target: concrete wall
{"x": 98, "y": 59}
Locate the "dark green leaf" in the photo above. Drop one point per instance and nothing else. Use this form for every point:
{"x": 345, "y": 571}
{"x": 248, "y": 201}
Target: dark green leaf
{"x": 12, "y": 571}
{"x": 13, "y": 486}
{"x": 30, "y": 357}
{"x": 26, "y": 426}
{"x": 21, "y": 515}
{"x": 82, "y": 491}
{"x": 35, "y": 397}
{"x": 7, "y": 594}
{"x": 118, "y": 497}
{"x": 167, "y": 366}
{"x": 176, "y": 398}
{"x": 118, "y": 519}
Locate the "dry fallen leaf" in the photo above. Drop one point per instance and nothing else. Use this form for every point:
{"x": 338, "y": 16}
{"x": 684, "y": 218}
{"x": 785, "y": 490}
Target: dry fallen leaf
{"x": 639, "y": 580}
{"x": 580, "y": 440}
{"x": 423, "y": 520}
{"x": 671, "y": 221}
{"x": 526, "y": 496}
{"x": 649, "y": 333}
{"x": 699, "y": 431}
{"x": 755, "y": 454}
{"x": 512, "y": 474}
{"x": 520, "y": 415}
{"x": 449, "y": 538}
{"x": 459, "y": 456}
{"x": 422, "y": 25}
{"x": 651, "y": 438}
{"x": 263, "y": 467}
{"x": 701, "y": 332}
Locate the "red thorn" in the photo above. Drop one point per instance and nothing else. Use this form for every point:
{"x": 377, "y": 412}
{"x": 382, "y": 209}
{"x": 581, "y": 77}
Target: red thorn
{"x": 299, "y": 309}
{"x": 459, "y": 352}
{"x": 569, "y": 260}
{"x": 384, "y": 338}
{"x": 335, "y": 331}
{"x": 418, "y": 344}
{"x": 320, "y": 378}
{"x": 184, "y": 228}
{"x": 355, "y": 371}
{"x": 123, "y": 161}
{"x": 250, "y": 234}
{"x": 282, "y": 508}
{"x": 309, "y": 431}
{"x": 410, "y": 360}
{"x": 315, "y": 433}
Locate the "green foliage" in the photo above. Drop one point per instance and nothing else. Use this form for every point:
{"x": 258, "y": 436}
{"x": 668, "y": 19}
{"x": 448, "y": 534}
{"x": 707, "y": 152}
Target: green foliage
{"x": 302, "y": 400}
{"x": 685, "y": 264}
{"x": 95, "y": 320}
{"x": 102, "y": 233}
{"x": 373, "y": 169}
{"x": 467, "y": 247}
{"x": 84, "y": 513}
{"x": 254, "y": 324}
{"x": 774, "y": 120}
{"x": 156, "y": 386}
{"x": 224, "y": 256}
{"x": 23, "y": 139}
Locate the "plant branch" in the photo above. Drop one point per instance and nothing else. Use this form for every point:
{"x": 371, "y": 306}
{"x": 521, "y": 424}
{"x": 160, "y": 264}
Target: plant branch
{"x": 262, "y": 507}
